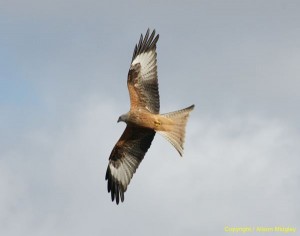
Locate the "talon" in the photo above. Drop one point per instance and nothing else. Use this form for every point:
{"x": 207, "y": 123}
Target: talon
{"x": 157, "y": 123}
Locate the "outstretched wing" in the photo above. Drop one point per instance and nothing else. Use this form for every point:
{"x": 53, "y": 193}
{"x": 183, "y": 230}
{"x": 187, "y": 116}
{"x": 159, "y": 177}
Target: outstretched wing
{"x": 142, "y": 76}
{"x": 125, "y": 158}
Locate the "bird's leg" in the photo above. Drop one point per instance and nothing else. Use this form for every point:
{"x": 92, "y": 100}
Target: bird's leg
{"x": 157, "y": 123}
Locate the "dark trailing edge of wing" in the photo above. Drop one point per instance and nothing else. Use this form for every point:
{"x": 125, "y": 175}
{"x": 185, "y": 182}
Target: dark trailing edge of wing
{"x": 137, "y": 145}
{"x": 145, "y": 44}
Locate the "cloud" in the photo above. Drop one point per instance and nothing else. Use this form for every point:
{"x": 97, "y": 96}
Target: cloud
{"x": 64, "y": 71}
{"x": 238, "y": 171}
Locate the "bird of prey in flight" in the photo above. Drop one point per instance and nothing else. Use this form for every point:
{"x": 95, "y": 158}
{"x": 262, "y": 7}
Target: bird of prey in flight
{"x": 143, "y": 119}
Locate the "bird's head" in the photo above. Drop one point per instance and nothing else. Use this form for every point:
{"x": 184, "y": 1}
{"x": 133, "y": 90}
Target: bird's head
{"x": 123, "y": 118}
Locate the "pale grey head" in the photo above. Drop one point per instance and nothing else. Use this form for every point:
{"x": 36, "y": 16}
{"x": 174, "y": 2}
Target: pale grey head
{"x": 124, "y": 117}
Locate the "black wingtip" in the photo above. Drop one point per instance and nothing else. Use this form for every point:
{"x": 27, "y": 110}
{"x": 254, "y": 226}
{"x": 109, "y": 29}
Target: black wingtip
{"x": 115, "y": 188}
{"x": 145, "y": 43}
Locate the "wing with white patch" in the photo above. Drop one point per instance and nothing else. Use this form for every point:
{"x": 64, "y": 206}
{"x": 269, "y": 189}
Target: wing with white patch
{"x": 125, "y": 158}
{"x": 142, "y": 76}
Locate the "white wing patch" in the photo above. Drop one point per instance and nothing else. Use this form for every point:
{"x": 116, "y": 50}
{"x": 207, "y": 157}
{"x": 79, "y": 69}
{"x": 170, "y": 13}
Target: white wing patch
{"x": 147, "y": 61}
{"x": 124, "y": 172}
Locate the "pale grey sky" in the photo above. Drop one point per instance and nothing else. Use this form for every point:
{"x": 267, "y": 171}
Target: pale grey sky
{"x": 63, "y": 71}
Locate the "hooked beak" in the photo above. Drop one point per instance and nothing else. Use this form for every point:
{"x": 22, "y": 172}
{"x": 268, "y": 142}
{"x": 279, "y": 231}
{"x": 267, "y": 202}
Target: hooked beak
{"x": 119, "y": 120}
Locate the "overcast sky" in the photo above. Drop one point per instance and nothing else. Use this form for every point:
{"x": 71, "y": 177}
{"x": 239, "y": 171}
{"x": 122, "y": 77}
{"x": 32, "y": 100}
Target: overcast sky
{"x": 63, "y": 71}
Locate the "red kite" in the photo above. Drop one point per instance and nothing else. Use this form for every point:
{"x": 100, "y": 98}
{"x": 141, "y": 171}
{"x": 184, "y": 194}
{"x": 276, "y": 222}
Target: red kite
{"x": 143, "y": 120}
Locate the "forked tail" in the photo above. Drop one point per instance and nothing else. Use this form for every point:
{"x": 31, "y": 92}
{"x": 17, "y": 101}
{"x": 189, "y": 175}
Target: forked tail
{"x": 176, "y": 134}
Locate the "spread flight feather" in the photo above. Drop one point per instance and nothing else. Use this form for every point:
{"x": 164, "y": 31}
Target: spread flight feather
{"x": 143, "y": 120}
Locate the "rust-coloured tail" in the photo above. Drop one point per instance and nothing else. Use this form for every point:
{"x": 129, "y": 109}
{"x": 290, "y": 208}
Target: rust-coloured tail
{"x": 176, "y": 134}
